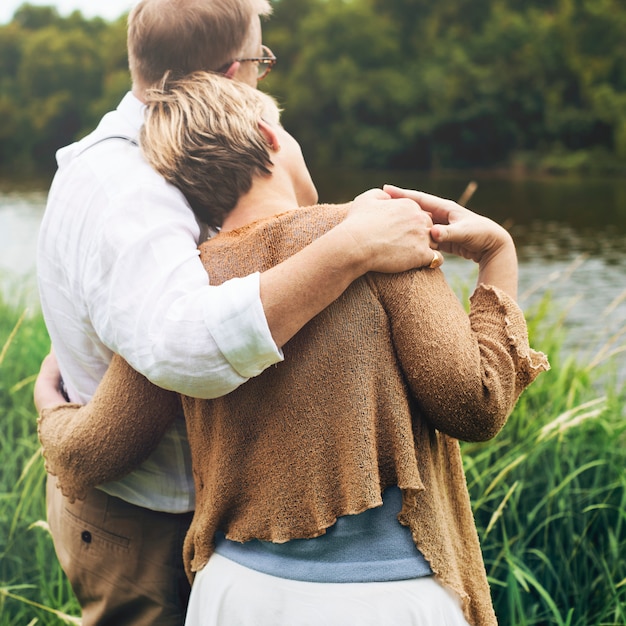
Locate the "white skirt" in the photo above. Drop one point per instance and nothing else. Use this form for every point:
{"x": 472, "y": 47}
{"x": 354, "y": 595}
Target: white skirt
{"x": 225, "y": 593}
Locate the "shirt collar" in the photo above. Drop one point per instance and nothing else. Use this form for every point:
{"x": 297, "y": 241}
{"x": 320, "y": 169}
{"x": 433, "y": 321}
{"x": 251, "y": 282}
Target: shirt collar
{"x": 125, "y": 121}
{"x": 132, "y": 110}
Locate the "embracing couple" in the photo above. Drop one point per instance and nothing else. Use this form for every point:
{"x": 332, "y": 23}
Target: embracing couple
{"x": 249, "y": 391}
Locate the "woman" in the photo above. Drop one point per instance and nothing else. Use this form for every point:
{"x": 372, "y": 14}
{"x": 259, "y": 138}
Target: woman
{"x": 329, "y": 489}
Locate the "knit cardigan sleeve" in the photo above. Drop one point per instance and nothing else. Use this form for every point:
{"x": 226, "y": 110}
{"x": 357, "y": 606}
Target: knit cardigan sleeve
{"x": 86, "y": 446}
{"x": 466, "y": 372}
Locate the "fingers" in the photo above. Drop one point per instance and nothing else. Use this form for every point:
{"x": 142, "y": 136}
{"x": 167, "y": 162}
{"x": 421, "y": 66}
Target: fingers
{"x": 421, "y": 197}
{"x": 375, "y": 194}
{"x": 441, "y": 209}
{"x": 439, "y": 234}
{"x": 50, "y": 368}
{"x": 394, "y": 232}
{"x": 399, "y": 192}
{"x": 457, "y": 230}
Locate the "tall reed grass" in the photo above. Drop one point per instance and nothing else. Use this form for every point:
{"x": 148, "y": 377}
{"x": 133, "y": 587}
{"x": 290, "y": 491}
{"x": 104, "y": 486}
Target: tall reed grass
{"x": 33, "y": 589}
{"x": 549, "y": 492}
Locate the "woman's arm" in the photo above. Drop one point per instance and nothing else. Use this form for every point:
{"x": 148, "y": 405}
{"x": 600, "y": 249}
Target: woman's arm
{"x": 86, "y": 446}
{"x": 466, "y": 372}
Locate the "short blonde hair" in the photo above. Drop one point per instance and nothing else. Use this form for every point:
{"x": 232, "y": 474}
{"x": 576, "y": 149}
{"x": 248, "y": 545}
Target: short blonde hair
{"x": 202, "y": 134}
{"x": 185, "y": 36}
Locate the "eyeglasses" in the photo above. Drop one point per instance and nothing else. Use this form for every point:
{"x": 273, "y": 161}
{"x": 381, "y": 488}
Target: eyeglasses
{"x": 264, "y": 63}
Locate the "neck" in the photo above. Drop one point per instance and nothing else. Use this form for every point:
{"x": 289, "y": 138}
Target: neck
{"x": 269, "y": 195}
{"x": 139, "y": 92}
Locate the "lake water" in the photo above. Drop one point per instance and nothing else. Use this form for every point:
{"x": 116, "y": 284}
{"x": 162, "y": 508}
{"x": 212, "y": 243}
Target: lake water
{"x": 570, "y": 235}
{"x": 20, "y": 215}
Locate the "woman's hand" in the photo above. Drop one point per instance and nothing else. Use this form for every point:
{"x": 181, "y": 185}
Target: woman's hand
{"x": 47, "y": 392}
{"x": 462, "y": 232}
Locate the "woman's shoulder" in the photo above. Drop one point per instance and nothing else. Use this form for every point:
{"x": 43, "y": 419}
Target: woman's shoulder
{"x": 264, "y": 243}
{"x": 318, "y": 217}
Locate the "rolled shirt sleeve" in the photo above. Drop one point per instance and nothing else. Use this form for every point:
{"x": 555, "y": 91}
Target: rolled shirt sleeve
{"x": 119, "y": 272}
{"x": 151, "y": 301}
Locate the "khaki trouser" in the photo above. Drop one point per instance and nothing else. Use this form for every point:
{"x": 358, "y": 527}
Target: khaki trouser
{"x": 124, "y": 562}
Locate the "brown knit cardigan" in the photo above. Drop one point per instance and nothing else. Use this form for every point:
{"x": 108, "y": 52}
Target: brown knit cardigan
{"x": 373, "y": 392}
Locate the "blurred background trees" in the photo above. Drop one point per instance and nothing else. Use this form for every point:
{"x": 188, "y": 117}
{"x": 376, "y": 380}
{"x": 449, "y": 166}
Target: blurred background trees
{"x": 518, "y": 84}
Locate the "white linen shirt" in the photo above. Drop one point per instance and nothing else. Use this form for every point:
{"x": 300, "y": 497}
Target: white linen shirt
{"x": 119, "y": 271}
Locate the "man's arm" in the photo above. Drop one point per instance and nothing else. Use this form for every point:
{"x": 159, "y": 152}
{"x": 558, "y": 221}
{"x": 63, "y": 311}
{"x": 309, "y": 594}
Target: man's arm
{"x": 378, "y": 234}
{"x": 150, "y": 302}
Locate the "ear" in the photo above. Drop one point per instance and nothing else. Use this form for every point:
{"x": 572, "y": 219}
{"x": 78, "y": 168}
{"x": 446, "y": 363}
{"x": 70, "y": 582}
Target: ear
{"x": 232, "y": 70}
{"x": 270, "y": 135}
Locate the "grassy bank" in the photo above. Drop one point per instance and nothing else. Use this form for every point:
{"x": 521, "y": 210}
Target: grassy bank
{"x": 549, "y": 493}
{"x": 29, "y": 574}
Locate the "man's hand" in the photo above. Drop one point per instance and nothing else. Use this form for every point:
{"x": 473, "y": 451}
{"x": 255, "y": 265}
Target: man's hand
{"x": 379, "y": 234}
{"x": 390, "y": 235}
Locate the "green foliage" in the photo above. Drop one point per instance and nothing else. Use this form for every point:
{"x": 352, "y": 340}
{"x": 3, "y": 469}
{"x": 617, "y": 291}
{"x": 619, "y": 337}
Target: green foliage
{"x": 58, "y": 76}
{"x": 455, "y": 83}
{"x": 549, "y": 494}
{"x": 32, "y": 17}
{"x": 343, "y": 81}
{"x": 48, "y": 62}
{"x": 366, "y": 83}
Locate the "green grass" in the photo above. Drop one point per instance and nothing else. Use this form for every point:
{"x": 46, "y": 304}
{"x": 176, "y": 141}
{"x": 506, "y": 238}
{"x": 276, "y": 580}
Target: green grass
{"x": 33, "y": 589}
{"x": 549, "y": 492}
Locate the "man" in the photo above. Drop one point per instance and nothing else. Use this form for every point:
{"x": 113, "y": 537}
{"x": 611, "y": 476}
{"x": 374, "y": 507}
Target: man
{"x": 119, "y": 272}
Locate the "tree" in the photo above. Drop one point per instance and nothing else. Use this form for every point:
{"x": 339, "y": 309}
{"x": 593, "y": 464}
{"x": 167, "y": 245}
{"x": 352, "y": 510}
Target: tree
{"x": 60, "y": 74}
{"x": 364, "y": 83}
{"x": 32, "y": 17}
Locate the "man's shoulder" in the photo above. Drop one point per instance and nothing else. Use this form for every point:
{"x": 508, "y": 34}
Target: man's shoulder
{"x": 119, "y": 127}
{"x": 99, "y": 172}
{"x": 106, "y": 179}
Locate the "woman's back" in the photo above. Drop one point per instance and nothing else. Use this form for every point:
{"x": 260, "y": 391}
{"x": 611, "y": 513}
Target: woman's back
{"x": 357, "y": 406}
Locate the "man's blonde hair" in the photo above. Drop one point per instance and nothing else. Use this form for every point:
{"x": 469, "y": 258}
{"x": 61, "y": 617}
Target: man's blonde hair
{"x": 184, "y": 36}
{"x": 202, "y": 134}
